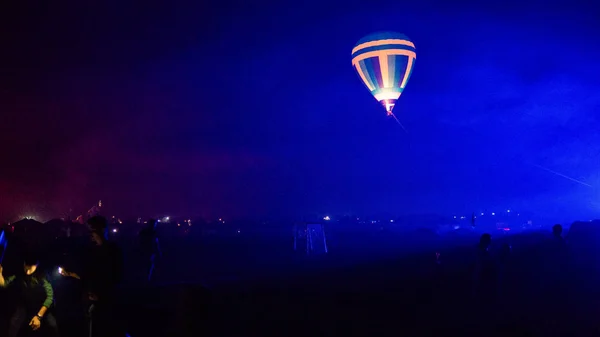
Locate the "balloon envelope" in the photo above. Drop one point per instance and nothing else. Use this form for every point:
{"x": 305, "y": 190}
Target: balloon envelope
{"x": 384, "y": 61}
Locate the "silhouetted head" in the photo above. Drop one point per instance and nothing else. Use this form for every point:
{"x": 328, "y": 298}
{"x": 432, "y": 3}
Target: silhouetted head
{"x": 151, "y": 224}
{"x": 557, "y": 230}
{"x": 98, "y": 228}
{"x": 506, "y": 249}
{"x": 485, "y": 241}
{"x": 30, "y": 264}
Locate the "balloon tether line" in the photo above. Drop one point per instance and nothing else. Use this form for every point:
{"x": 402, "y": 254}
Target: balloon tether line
{"x": 398, "y": 121}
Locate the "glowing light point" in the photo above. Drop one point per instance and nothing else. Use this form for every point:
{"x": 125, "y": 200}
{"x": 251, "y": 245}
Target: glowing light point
{"x": 114, "y": 230}
{"x": 493, "y": 213}
{"x": 327, "y": 218}
{"x": 508, "y": 211}
{"x": 389, "y": 107}
{"x": 481, "y": 214}
{"x": 391, "y": 221}
{"x": 455, "y": 217}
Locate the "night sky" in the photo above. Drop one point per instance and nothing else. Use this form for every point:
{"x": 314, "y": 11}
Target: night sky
{"x": 253, "y": 109}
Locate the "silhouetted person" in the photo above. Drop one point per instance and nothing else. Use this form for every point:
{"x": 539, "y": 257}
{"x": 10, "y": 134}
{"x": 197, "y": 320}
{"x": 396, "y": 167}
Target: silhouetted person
{"x": 559, "y": 241}
{"x": 505, "y": 252}
{"x": 102, "y": 273}
{"x": 438, "y": 276}
{"x": 150, "y": 247}
{"x": 33, "y": 297}
{"x": 485, "y": 274}
{"x": 504, "y": 269}
{"x": 557, "y": 254}
{"x": 554, "y": 276}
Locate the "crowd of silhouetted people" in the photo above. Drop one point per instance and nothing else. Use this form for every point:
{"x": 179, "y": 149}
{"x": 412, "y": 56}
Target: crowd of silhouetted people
{"x": 97, "y": 269}
{"x": 533, "y": 282}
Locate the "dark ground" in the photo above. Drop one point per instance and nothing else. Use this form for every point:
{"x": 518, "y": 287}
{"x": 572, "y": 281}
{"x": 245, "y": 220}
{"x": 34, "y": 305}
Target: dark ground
{"x": 251, "y": 285}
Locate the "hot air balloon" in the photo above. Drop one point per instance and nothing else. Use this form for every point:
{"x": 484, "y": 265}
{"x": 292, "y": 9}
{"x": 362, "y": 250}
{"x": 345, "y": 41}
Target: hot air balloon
{"x": 384, "y": 61}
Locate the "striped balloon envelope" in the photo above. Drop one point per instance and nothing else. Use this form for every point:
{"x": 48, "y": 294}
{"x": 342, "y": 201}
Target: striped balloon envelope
{"x": 384, "y": 61}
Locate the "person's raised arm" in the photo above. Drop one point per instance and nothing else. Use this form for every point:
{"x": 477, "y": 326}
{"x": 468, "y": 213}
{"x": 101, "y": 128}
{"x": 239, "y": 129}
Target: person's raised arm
{"x": 5, "y": 282}
{"x": 118, "y": 265}
{"x": 158, "y": 251}
{"x": 36, "y": 321}
{"x": 49, "y": 298}
{"x": 63, "y": 272}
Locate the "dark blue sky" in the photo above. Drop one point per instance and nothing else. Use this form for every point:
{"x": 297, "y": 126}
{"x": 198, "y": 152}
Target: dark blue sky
{"x": 249, "y": 109}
